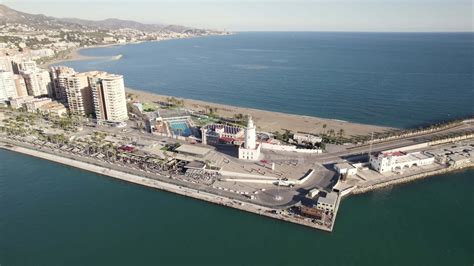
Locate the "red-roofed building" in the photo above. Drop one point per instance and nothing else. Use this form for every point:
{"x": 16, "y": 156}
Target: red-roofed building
{"x": 224, "y": 133}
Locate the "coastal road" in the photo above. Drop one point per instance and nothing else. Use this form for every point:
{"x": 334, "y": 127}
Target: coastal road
{"x": 362, "y": 151}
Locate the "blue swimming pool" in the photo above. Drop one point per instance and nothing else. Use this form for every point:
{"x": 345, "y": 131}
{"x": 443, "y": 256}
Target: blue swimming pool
{"x": 180, "y": 128}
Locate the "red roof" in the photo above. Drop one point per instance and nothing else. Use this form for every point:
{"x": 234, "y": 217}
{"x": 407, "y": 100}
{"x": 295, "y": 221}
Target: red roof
{"x": 395, "y": 153}
{"x": 226, "y": 139}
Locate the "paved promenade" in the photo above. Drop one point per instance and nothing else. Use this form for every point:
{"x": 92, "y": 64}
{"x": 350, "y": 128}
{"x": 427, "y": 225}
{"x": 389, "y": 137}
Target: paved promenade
{"x": 181, "y": 190}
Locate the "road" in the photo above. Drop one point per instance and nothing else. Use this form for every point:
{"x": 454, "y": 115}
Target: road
{"x": 362, "y": 151}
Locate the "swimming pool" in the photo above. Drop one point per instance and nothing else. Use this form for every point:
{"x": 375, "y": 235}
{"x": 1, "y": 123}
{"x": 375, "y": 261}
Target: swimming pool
{"x": 180, "y": 128}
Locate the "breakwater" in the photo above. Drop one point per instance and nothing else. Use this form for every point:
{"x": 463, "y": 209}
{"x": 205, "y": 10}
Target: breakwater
{"x": 361, "y": 190}
{"x": 153, "y": 183}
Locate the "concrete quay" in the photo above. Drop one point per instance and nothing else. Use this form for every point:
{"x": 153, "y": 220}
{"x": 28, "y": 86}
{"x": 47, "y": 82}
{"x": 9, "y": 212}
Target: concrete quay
{"x": 411, "y": 178}
{"x": 169, "y": 187}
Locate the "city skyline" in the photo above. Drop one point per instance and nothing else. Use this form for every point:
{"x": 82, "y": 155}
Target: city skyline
{"x": 267, "y": 15}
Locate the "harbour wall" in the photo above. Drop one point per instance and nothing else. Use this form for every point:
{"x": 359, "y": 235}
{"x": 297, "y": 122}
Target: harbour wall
{"x": 152, "y": 183}
{"x": 361, "y": 190}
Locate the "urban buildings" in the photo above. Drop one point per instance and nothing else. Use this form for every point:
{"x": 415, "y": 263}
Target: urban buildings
{"x": 96, "y": 94}
{"x": 38, "y": 82}
{"x": 396, "y": 161}
{"x": 328, "y": 202}
{"x": 27, "y": 66}
{"x": 20, "y": 85}
{"x": 19, "y": 102}
{"x": 7, "y": 86}
{"x": 59, "y": 77}
{"x": 108, "y": 91}
{"x": 79, "y": 94}
{"x": 6, "y": 64}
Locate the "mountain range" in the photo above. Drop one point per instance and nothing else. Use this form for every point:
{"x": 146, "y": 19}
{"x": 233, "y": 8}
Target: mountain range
{"x": 9, "y": 15}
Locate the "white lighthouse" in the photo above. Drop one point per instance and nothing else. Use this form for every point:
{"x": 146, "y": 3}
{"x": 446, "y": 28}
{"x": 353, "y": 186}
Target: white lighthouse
{"x": 250, "y": 150}
{"x": 250, "y": 135}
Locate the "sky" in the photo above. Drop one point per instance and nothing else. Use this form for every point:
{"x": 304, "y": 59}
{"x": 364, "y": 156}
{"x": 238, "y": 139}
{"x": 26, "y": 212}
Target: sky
{"x": 271, "y": 15}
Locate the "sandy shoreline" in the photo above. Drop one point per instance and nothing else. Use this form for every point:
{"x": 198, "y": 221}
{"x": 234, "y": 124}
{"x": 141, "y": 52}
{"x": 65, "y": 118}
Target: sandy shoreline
{"x": 75, "y": 55}
{"x": 268, "y": 121}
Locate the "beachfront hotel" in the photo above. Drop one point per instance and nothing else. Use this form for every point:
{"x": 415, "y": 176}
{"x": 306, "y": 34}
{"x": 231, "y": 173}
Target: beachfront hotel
{"x": 108, "y": 92}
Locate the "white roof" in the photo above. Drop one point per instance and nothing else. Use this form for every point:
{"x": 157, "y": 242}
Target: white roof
{"x": 330, "y": 198}
{"x": 344, "y": 165}
{"x": 192, "y": 149}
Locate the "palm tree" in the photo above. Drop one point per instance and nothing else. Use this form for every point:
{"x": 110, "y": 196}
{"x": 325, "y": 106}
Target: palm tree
{"x": 341, "y": 133}
{"x": 331, "y": 132}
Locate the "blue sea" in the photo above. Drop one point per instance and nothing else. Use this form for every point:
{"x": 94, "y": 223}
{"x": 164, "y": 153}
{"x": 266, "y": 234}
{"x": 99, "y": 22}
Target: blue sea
{"x": 391, "y": 79}
{"x": 51, "y": 214}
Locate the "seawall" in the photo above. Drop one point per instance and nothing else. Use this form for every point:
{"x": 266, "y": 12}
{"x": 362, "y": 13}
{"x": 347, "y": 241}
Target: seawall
{"x": 148, "y": 182}
{"x": 361, "y": 190}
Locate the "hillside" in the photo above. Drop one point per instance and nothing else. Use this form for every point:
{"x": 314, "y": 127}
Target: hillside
{"x": 9, "y": 15}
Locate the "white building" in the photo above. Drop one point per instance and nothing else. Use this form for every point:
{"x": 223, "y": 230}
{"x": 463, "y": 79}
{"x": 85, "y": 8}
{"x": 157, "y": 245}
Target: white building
{"x": 6, "y": 64}
{"x": 345, "y": 169}
{"x": 54, "y": 108}
{"x": 59, "y": 76}
{"x": 396, "y": 161}
{"x": 36, "y": 54}
{"x": 108, "y": 91}
{"x": 7, "y": 86}
{"x": 34, "y": 104}
{"x": 250, "y": 150}
{"x": 20, "y": 101}
{"x": 20, "y": 85}
{"x": 79, "y": 94}
{"x": 307, "y": 138}
{"x": 327, "y": 203}
{"x": 38, "y": 83}
{"x": 28, "y": 66}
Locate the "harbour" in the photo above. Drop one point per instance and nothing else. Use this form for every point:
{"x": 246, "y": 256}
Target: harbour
{"x": 305, "y": 171}
{"x": 218, "y": 228}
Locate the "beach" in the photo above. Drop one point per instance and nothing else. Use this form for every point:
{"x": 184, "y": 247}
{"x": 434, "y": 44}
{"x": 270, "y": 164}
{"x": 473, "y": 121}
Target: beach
{"x": 269, "y": 121}
{"x": 74, "y": 54}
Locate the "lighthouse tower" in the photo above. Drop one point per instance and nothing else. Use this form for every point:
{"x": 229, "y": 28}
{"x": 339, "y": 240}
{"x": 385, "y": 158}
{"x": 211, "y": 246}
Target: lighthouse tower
{"x": 250, "y": 150}
{"x": 250, "y": 135}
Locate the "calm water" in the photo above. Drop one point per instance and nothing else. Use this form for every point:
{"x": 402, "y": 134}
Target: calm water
{"x": 56, "y": 215}
{"x": 393, "y": 79}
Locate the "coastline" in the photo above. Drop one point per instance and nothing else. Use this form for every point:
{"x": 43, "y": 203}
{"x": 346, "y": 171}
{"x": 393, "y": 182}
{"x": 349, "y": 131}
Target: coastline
{"x": 268, "y": 121}
{"x": 74, "y": 54}
{"x": 203, "y": 195}
{"x": 156, "y": 184}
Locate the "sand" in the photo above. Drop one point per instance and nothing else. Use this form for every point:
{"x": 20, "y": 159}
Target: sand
{"x": 269, "y": 121}
{"x": 266, "y": 120}
{"x": 75, "y": 55}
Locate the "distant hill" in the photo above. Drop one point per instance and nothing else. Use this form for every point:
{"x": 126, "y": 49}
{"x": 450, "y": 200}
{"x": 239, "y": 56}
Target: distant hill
{"x": 8, "y": 15}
